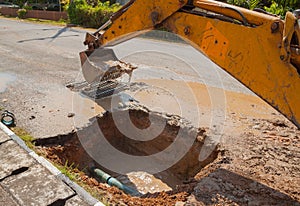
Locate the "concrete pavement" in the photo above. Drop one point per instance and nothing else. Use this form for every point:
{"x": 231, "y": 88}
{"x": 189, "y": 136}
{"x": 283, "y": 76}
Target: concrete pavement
{"x": 28, "y": 179}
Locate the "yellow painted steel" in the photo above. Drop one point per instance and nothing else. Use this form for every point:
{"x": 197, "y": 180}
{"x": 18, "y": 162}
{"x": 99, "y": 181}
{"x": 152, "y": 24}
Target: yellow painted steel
{"x": 258, "y": 53}
{"x": 142, "y": 15}
{"x": 251, "y": 55}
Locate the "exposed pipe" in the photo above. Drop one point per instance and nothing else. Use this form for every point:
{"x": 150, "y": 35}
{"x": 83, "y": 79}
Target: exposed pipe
{"x": 104, "y": 177}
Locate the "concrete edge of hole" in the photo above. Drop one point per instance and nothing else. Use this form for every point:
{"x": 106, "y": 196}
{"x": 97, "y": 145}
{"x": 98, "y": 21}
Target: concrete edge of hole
{"x": 82, "y": 193}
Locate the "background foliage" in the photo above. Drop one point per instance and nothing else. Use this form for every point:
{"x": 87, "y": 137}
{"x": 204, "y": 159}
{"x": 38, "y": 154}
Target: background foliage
{"x": 90, "y": 14}
{"x": 93, "y": 13}
{"x": 278, "y": 7}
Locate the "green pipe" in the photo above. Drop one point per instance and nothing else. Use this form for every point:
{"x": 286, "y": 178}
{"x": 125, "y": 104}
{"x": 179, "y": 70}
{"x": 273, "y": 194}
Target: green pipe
{"x": 104, "y": 177}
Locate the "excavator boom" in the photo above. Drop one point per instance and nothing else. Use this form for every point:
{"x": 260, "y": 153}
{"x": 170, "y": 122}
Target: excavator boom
{"x": 258, "y": 49}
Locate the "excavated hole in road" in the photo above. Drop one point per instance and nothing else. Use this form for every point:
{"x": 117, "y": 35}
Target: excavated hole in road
{"x": 68, "y": 148}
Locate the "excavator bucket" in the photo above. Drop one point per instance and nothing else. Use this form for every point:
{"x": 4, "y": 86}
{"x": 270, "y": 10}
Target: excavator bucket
{"x": 102, "y": 65}
{"x": 94, "y": 66}
{"x": 102, "y": 71}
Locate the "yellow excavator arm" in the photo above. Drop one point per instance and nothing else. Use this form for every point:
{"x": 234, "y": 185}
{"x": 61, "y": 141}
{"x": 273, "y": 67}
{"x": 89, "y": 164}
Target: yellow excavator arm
{"x": 258, "y": 49}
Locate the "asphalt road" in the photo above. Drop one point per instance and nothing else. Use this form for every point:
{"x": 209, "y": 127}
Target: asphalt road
{"x": 38, "y": 60}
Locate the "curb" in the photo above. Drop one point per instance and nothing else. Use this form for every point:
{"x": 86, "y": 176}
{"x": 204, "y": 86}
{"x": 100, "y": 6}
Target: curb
{"x": 45, "y": 163}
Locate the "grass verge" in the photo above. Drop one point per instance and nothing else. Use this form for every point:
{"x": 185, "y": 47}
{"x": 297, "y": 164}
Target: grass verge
{"x": 80, "y": 177}
{"x": 61, "y": 22}
{"x": 25, "y": 136}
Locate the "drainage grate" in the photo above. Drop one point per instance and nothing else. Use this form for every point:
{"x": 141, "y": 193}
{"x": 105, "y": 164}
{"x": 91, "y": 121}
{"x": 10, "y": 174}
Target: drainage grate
{"x": 104, "y": 89}
{"x": 99, "y": 90}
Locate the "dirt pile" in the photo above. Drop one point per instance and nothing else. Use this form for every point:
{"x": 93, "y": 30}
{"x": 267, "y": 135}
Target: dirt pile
{"x": 258, "y": 167}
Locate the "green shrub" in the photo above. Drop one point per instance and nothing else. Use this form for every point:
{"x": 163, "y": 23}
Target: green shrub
{"x": 276, "y": 9}
{"x": 21, "y": 13}
{"x": 84, "y": 14}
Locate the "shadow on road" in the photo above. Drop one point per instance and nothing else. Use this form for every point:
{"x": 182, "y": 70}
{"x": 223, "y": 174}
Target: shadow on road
{"x": 52, "y": 38}
{"x": 234, "y": 188}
